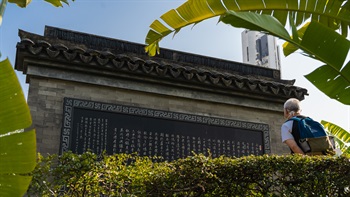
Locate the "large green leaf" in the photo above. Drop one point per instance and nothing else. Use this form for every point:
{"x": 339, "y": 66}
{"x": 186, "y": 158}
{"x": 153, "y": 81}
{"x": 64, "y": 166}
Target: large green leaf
{"x": 325, "y": 44}
{"x": 342, "y": 136}
{"x": 17, "y": 160}
{"x": 17, "y": 146}
{"x": 289, "y": 48}
{"x": 317, "y": 39}
{"x": 14, "y": 111}
{"x": 253, "y": 21}
{"x": 334, "y": 84}
{"x": 328, "y": 47}
{"x": 333, "y": 79}
{"x": 13, "y": 186}
{"x": 17, "y": 152}
{"x": 332, "y": 13}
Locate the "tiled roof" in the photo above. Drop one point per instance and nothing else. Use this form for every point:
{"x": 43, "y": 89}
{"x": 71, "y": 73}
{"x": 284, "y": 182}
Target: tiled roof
{"x": 79, "y": 54}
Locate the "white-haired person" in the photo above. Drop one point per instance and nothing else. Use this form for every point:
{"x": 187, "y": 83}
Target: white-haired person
{"x": 292, "y": 108}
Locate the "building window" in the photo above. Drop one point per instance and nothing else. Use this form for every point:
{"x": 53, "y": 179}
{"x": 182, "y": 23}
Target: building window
{"x": 247, "y": 54}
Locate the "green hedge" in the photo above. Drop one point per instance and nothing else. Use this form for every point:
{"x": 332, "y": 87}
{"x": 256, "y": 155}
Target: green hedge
{"x": 131, "y": 175}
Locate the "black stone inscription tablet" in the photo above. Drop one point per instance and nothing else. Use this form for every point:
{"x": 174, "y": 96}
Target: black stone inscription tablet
{"x": 95, "y": 126}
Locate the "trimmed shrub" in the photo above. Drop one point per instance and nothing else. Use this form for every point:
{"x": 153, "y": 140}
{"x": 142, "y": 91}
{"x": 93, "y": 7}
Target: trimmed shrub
{"x": 198, "y": 175}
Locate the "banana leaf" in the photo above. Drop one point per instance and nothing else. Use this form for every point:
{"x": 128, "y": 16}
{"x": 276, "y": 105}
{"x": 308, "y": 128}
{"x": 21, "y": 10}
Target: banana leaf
{"x": 333, "y": 78}
{"x": 58, "y": 3}
{"x": 342, "y": 137}
{"x": 257, "y": 22}
{"x": 2, "y": 10}
{"x": 333, "y": 83}
{"x": 20, "y": 3}
{"x": 289, "y": 48}
{"x": 25, "y": 3}
{"x": 17, "y": 140}
{"x": 334, "y": 14}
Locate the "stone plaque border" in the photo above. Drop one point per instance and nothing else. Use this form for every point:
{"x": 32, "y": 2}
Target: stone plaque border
{"x": 70, "y": 103}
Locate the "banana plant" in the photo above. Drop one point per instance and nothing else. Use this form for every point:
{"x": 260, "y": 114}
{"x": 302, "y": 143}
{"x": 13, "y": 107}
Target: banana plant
{"x": 326, "y": 76}
{"x": 343, "y": 137}
{"x": 17, "y": 137}
{"x": 17, "y": 140}
{"x": 318, "y": 28}
{"x": 332, "y": 13}
{"x": 333, "y": 78}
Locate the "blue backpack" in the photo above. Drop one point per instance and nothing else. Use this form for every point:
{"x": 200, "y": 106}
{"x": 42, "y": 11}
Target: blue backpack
{"x": 311, "y": 136}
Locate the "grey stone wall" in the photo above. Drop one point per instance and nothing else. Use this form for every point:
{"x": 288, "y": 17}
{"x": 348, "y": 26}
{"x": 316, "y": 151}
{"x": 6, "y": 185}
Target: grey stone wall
{"x": 65, "y": 63}
{"x": 46, "y": 96}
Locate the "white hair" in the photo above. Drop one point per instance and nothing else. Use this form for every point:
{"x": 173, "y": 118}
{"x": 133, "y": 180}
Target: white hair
{"x": 292, "y": 105}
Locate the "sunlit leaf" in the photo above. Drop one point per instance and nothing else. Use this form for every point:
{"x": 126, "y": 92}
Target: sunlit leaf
{"x": 24, "y": 3}
{"x": 295, "y": 33}
{"x": 289, "y": 48}
{"x": 316, "y": 40}
{"x": 342, "y": 136}
{"x": 152, "y": 49}
{"x": 2, "y": 11}
{"x": 58, "y": 3}
{"x": 17, "y": 152}
{"x": 14, "y": 185}
{"x": 334, "y": 84}
{"x": 17, "y": 146}
{"x": 14, "y": 111}
{"x": 328, "y": 46}
{"x": 153, "y": 35}
{"x": 17, "y": 159}
{"x": 257, "y": 22}
{"x": 21, "y": 3}
{"x": 195, "y": 11}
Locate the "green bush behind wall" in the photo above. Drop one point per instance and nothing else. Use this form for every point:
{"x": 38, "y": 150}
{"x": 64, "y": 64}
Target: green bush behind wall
{"x": 198, "y": 175}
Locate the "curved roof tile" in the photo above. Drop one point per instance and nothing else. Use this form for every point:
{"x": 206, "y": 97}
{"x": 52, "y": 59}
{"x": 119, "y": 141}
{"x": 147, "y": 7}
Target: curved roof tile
{"x": 53, "y": 49}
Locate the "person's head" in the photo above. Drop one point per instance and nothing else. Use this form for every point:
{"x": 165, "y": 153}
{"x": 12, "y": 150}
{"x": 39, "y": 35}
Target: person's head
{"x": 291, "y": 108}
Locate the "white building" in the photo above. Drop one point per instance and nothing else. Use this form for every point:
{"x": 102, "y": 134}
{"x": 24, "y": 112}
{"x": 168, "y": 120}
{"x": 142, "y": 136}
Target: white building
{"x": 260, "y": 49}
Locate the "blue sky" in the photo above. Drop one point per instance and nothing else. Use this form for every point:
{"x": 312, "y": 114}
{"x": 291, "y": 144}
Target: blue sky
{"x": 129, "y": 20}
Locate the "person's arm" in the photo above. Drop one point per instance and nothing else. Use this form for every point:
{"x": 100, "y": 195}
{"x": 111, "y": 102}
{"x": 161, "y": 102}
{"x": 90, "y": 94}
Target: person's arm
{"x": 293, "y": 145}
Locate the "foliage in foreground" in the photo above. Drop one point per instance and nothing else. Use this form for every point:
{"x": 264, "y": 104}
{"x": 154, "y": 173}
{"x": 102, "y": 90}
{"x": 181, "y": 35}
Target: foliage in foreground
{"x": 17, "y": 138}
{"x": 130, "y": 175}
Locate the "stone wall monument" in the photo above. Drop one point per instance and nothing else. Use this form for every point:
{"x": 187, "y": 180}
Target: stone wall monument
{"x": 88, "y": 92}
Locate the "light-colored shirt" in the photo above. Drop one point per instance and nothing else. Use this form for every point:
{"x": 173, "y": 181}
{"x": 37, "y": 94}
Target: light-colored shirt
{"x": 286, "y": 131}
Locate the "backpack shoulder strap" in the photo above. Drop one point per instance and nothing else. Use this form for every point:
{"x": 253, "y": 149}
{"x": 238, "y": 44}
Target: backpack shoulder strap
{"x": 297, "y": 118}
{"x": 295, "y": 131}
{"x": 295, "y": 128}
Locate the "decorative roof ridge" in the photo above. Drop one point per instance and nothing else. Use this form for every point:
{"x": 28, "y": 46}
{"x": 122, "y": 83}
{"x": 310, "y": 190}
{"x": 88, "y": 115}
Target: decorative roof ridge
{"x": 102, "y": 43}
{"x": 82, "y": 47}
{"x": 78, "y": 54}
